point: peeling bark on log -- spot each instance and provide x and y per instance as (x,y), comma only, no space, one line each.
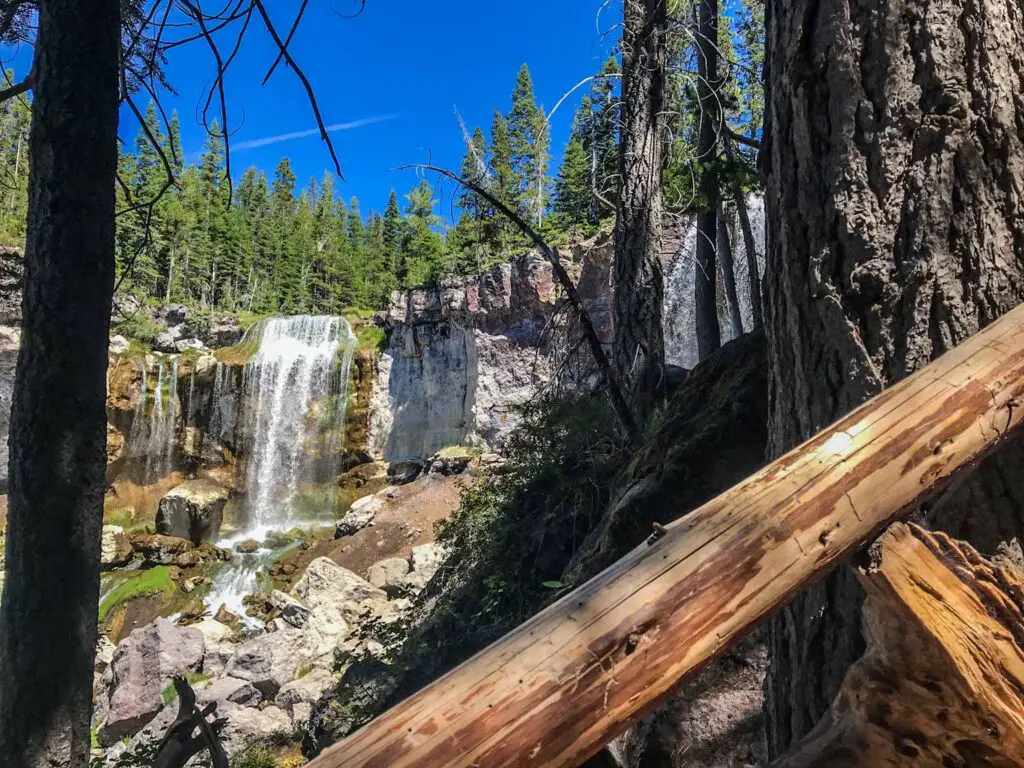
(555,690)
(942,682)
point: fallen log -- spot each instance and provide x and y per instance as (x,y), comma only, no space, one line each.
(563,684)
(942,681)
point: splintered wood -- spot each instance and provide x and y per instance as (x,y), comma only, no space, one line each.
(559,687)
(942,681)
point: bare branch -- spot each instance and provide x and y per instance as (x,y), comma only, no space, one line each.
(305,83)
(287,41)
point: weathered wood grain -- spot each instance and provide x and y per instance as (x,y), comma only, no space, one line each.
(556,689)
(942,681)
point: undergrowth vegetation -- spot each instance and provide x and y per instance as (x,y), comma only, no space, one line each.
(515,531)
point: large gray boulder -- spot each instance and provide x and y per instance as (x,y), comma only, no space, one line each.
(359,515)
(224,333)
(270,660)
(194,510)
(328,589)
(246,725)
(166,340)
(241,692)
(143,665)
(388,574)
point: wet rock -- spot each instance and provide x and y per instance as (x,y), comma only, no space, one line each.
(226,617)
(115,548)
(194,510)
(269,661)
(248,546)
(156,549)
(118,345)
(388,574)
(143,664)
(359,516)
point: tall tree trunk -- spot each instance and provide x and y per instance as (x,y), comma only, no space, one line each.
(709,337)
(749,246)
(58,420)
(729,274)
(894,162)
(639,344)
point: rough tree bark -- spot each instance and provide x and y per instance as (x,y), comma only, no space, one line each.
(58,424)
(709,337)
(638,344)
(749,246)
(728,275)
(894,163)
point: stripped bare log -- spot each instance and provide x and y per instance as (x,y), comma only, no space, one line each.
(563,684)
(942,681)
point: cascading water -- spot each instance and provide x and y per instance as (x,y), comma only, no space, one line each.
(679,319)
(295,391)
(154,426)
(296,381)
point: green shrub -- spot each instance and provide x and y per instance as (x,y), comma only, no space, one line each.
(516,531)
(255,756)
(139,327)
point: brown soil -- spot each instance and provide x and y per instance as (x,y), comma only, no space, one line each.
(126,499)
(403,523)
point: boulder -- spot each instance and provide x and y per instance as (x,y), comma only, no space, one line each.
(327,588)
(205,363)
(359,515)
(305,690)
(156,549)
(173,314)
(187,344)
(142,666)
(213,631)
(246,725)
(118,345)
(426,559)
(115,548)
(194,510)
(248,546)
(268,661)
(388,574)
(224,333)
(292,611)
(231,689)
(166,340)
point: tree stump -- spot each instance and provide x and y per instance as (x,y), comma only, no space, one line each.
(942,681)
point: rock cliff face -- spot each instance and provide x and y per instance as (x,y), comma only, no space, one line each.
(462,357)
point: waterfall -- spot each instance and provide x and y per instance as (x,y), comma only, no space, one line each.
(296,390)
(679,319)
(154,425)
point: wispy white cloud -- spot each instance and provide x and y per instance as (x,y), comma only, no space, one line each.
(266,140)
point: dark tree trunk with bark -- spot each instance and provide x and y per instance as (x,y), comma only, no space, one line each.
(895,166)
(58,423)
(729,275)
(709,337)
(639,346)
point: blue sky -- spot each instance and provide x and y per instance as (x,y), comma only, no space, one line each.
(398,71)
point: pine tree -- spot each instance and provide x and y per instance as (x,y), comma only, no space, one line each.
(423,247)
(572,189)
(467,241)
(504,184)
(528,137)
